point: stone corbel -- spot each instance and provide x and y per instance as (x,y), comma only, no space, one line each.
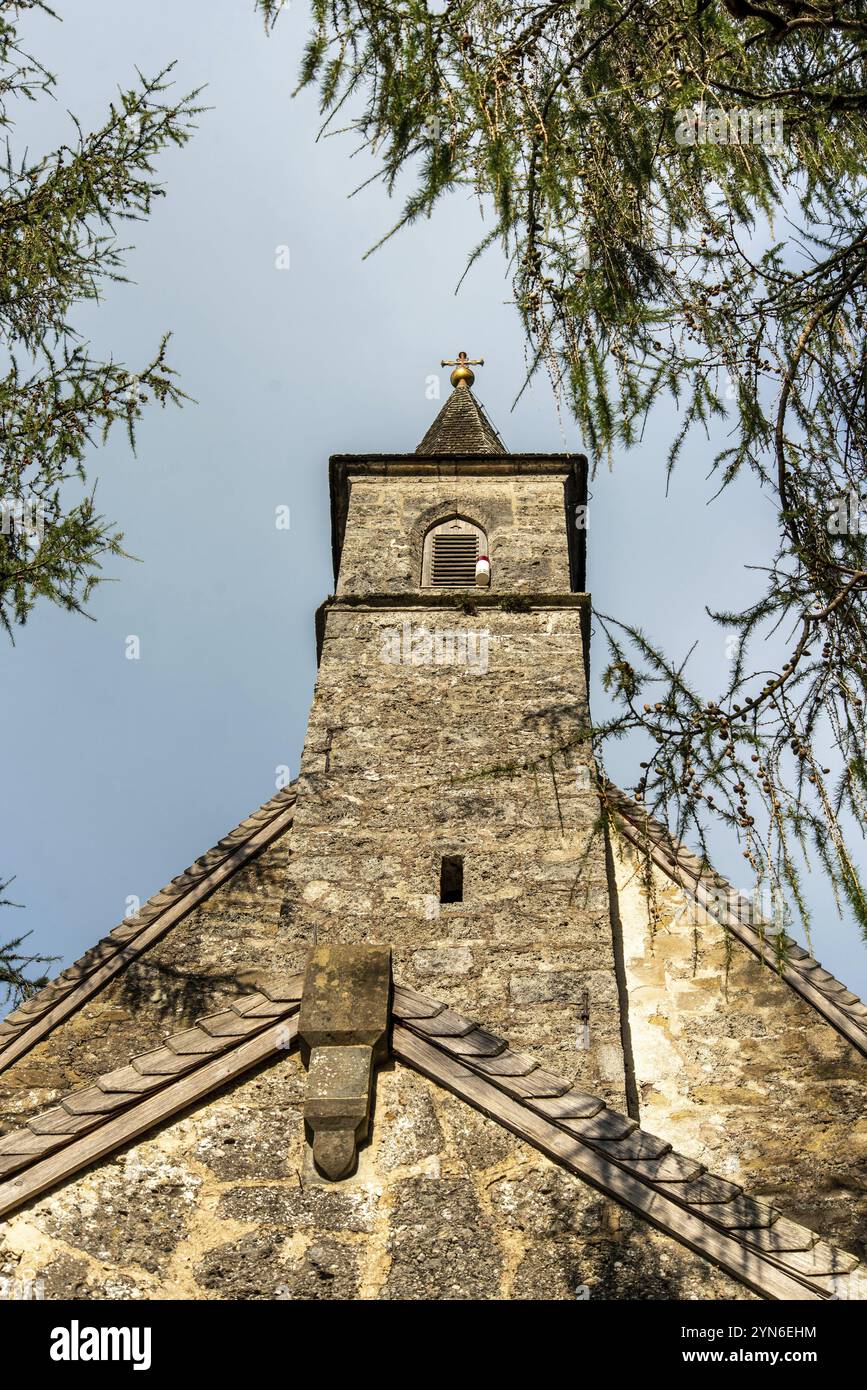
(343,1032)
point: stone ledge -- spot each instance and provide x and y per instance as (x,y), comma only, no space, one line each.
(449,600)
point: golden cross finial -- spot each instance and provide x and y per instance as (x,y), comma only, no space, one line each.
(463,373)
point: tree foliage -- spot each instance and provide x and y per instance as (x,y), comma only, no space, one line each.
(16,979)
(679,189)
(58,249)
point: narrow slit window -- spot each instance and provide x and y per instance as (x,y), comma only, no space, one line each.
(452,879)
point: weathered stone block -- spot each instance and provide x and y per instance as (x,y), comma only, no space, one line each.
(343,1029)
(337,1105)
(447,960)
(346,999)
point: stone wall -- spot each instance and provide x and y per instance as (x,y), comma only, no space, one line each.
(734,1069)
(524,517)
(445,1205)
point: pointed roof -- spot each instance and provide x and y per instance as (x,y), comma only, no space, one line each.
(462,427)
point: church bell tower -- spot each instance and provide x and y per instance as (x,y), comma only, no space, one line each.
(446,804)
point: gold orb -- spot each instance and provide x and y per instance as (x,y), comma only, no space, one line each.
(462,374)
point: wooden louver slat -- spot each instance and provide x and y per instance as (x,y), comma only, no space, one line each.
(454,559)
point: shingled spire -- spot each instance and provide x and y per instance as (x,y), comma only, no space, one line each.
(462,427)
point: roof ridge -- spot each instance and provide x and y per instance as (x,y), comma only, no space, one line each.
(57,1142)
(748,1236)
(24,1026)
(839,1006)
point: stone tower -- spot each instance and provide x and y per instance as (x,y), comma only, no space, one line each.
(448,728)
(449,1017)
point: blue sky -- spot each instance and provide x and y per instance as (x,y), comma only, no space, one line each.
(118,773)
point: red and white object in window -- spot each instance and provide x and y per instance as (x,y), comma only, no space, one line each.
(483,571)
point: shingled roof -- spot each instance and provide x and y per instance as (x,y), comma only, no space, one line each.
(461,427)
(127,1102)
(750,1239)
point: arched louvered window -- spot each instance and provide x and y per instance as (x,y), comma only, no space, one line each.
(451,549)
